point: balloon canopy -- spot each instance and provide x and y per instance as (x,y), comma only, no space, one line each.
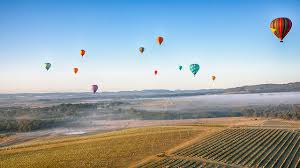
(281,27)
(94,88)
(141,49)
(75,70)
(160,40)
(82,52)
(213,78)
(194,68)
(47,66)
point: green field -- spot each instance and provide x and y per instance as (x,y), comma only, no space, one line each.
(238,147)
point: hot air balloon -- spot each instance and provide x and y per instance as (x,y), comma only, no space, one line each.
(213,78)
(155,72)
(281,27)
(47,66)
(180,67)
(141,49)
(75,70)
(160,40)
(94,88)
(194,68)
(82,52)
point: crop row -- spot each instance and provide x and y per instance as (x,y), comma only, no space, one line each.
(184,163)
(209,144)
(245,147)
(251,147)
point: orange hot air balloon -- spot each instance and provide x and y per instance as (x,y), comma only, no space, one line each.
(160,40)
(82,52)
(213,78)
(155,72)
(75,70)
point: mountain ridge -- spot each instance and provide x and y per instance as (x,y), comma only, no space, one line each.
(149,93)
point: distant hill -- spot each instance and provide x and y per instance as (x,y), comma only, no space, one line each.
(266,88)
(262,88)
(156,93)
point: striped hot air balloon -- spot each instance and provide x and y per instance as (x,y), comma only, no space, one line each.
(281,27)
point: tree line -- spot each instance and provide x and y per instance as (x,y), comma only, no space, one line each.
(283,111)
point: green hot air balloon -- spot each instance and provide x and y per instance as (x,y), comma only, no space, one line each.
(194,68)
(47,66)
(180,67)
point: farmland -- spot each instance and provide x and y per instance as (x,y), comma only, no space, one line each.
(215,142)
(113,149)
(237,147)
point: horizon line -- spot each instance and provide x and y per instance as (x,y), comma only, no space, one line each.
(65,92)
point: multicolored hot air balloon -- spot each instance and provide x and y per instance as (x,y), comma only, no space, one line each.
(155,72)
(75,70)
(82,52)
(281,27)
(94,88)
(141,49)
(194,68)
(160,40)
(180,67)
(213,77)
(47,66)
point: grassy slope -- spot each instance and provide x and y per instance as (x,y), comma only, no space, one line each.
(114,149)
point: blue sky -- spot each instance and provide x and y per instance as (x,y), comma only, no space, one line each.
(228,39)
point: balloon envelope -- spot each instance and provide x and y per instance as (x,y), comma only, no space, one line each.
(94,88)
(82,52)
(213,77)
(160,40)
(194,68)
(180,67)
(75,70)
(47,66)
(141,49)
(281,27)
(155,72)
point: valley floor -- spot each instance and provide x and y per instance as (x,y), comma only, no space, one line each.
(164,144)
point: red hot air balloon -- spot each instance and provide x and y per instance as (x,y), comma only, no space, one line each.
(94,88)
(160,40)
(281,27)
(155,72)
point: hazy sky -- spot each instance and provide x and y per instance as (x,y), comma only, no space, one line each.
(230,39)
